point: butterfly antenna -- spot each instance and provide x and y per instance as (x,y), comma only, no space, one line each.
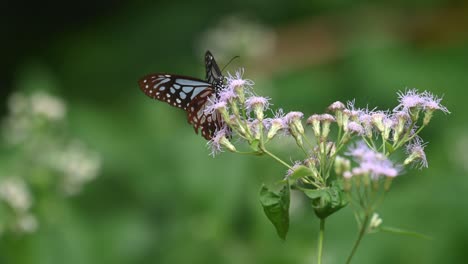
(236,57)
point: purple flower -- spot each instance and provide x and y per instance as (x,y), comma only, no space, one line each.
(365,119)
(355,128)
(227,95)
(235,81)
(432,102)
(347,174)
(415,151)
(219,140)
(257,104)
(336,106)
(255,128)
(354,112)
(215,105)
(327,118)
(378,120)
(293,120)
(409,99)
(371,162)
(292,117)
(425,100)
(275,124)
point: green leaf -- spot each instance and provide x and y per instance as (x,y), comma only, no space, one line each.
(254,145)
(276,208)
(399,231)
(328,200)
(299,172)
(389,147)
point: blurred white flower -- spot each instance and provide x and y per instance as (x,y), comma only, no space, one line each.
(375,221)
(24,111)
(236,35)
(27,223)
(15,193)
(51,107)
(33,128)
(78,165)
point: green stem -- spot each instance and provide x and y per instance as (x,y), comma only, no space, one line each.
(320,241)
(276,158)
(306,139)
(362,232)
(399,231)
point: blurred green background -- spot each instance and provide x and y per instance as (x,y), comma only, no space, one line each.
(159,197)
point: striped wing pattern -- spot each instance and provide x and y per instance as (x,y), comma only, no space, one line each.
(187,93)
(213,73)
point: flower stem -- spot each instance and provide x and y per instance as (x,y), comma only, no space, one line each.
(362,232)
(276,158)
(320,241)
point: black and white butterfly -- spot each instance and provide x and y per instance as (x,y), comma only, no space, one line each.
(189,94)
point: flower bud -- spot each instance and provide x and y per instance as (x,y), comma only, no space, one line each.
(401,118)
(239,90)
(377,120)
(366,123)
(326,121)
(293,119)
(315,121)
(330,149)
(427,116)
(275,125)
(375,221)
(347,175)
(337,108)
(227,144)
(257,104)
(342,165)
(345,119)
(387,123)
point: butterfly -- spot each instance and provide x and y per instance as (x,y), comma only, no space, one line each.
(190,94)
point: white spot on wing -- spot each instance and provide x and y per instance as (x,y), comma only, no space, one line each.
(191,82)
(187,89)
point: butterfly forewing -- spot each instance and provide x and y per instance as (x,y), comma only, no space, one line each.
(213,73)
(178,91)
(187,93)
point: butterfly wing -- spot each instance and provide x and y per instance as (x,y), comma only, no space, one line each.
(187,93)
(213,73)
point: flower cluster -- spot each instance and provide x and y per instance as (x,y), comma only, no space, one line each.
(35,129)
(350,151)
(15,194)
